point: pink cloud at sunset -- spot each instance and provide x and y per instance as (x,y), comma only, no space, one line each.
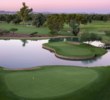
(96,6)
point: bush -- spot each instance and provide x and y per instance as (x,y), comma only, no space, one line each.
(16,21)
(4,31)
(53,32)
(13,30)
(90,37)
(34,33)
(107,33)
(1,32)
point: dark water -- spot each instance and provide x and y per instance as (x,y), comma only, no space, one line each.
(17,54)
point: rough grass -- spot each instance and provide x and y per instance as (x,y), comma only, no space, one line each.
(68,83)
(74,50)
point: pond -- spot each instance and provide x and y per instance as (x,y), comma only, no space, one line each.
(16,54)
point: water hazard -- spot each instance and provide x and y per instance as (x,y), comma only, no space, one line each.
(17,54)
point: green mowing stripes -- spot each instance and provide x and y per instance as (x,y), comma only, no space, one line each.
(49,82)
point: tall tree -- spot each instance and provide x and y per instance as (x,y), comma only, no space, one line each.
(75,27)
(24,12)
(39,20)
(55,23)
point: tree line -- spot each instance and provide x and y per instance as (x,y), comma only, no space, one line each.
(55,22)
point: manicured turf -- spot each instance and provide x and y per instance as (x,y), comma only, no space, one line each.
(96,26)
(24,28)
(56,83)
(75,50)
(49,82)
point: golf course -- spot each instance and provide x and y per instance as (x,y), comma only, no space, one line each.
(74,50)
(55,50)
(97,27)
(55,83)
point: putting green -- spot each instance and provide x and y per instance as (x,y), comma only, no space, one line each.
(73,50)
(49,81)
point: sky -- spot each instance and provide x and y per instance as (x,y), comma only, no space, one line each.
(60,6)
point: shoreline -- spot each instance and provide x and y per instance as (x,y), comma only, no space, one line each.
(30,38)
(65,57)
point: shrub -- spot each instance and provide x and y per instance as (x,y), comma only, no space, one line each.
(4,31)
(107,33)
(13,30)
(1,32)
(90,37)
(34,33)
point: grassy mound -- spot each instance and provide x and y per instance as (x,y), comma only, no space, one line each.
(81,51)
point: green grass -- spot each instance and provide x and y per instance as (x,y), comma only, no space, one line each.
(75,50)
(95,26)
(98,26)
(106,39)
(48,82)
(56,83)
(24,28)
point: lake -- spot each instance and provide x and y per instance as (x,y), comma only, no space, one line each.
(16,54)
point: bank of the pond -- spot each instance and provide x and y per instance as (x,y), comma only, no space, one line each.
(74,51)
(55,83)
(35,37)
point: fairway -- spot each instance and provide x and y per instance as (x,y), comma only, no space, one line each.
(49,82)
(25,28)
(96,26)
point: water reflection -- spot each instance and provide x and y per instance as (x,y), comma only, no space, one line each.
(56,40)
(16,54)
(89,61)
(24,41)
(75,39)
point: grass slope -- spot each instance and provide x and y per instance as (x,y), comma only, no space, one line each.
(75,50)
(56,83)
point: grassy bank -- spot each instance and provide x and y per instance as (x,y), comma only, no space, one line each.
(74,51)
(56,83)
